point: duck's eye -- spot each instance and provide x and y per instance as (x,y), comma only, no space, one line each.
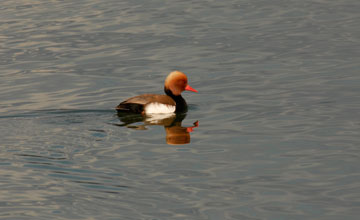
(182,83)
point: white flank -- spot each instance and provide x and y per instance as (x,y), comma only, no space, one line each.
(155,107)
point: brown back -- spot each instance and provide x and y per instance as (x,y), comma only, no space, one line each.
(147,98)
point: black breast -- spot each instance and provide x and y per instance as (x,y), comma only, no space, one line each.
(181,105)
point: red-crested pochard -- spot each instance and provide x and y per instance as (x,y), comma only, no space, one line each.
(172,102)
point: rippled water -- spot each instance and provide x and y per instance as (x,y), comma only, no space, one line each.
(277,110)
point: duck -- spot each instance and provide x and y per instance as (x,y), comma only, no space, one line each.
(172,102)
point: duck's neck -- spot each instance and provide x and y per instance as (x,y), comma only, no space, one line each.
(181,105)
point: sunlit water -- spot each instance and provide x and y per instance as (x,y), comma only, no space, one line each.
(277,110)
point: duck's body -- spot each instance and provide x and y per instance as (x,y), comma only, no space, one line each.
(148,103)
(172,102)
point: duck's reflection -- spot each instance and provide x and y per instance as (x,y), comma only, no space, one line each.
(175,133)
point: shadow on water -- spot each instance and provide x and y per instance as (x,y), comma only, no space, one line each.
(175,132)
(37,113)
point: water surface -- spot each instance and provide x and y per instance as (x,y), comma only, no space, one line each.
(277,110)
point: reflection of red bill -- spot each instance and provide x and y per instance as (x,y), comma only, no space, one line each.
(190,129)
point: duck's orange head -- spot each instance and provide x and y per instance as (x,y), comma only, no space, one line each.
(176,82)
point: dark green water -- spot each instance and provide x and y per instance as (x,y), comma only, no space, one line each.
(278,110)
